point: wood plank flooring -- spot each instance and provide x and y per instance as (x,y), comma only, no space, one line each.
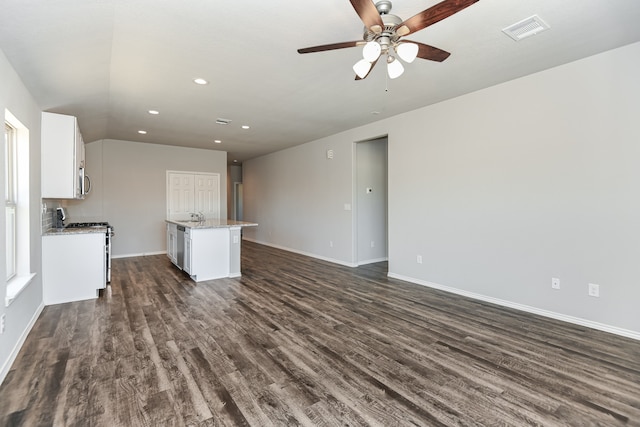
(298,341)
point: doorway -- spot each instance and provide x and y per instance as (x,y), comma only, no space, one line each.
(371,201)
(237,201)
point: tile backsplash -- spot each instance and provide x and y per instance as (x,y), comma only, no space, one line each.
(47,218)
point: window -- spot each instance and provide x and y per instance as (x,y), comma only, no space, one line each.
(10,180)
(16,190)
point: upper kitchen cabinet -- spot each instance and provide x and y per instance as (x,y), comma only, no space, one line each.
(63,168)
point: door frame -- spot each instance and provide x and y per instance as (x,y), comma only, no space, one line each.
(354,197)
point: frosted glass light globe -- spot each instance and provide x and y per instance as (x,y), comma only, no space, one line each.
(371,51)
(407,51)
(362,68)
(394,68)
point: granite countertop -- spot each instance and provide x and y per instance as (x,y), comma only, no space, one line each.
(213,223)
(78,230)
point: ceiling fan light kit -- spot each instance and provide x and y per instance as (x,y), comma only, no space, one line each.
(383,32)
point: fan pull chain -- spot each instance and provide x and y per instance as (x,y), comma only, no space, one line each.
(386,82)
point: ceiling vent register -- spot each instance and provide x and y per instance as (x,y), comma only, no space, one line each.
(220,121)
(526,28)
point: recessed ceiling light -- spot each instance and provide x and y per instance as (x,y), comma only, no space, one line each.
(245,126)
(217,141)
(235,161)
(142,132)
(154,112)
(375,113)
(200,81)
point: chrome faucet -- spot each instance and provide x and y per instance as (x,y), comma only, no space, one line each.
(199,216)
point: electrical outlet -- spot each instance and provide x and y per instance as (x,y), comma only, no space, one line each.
(555,283)
(373,244)
(330,243)
(3,319)
(594,290)
(419,259)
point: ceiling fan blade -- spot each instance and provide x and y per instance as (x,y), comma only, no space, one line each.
(369,15)
(429,52)
(432,15)
(373,64)
(332,46)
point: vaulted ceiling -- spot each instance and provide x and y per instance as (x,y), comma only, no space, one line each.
(109,62)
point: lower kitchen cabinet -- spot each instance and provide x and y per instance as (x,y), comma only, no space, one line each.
(207,253)
(73,267)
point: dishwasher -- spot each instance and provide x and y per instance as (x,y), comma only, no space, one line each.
(180,247)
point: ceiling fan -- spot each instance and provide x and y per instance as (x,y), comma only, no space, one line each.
(384,32)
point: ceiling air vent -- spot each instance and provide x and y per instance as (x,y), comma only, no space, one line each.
(220,121)
(526,28)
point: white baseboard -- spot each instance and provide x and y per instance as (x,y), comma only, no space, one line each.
(18,346)
(140,254)
(284,248)
(372,261)
(558,316)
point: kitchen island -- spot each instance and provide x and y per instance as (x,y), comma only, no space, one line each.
(208,249)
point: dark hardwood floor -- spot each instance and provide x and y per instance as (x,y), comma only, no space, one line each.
(298,341)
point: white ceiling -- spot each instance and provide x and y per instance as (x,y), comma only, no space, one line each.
(109,61)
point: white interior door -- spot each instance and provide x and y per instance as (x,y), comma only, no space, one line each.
(207,195)
(180,195)
(192,192)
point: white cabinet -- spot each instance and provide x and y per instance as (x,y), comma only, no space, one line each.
(172,243)
(63,161)
(206,250)
(208,253)
(73,267)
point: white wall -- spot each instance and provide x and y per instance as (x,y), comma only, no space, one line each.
(299,197)
(129,190)
(25,308)
(498,190)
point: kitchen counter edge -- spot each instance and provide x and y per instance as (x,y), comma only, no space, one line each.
(213,223)
(80,230)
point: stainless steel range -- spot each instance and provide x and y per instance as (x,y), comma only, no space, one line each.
(110,232)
